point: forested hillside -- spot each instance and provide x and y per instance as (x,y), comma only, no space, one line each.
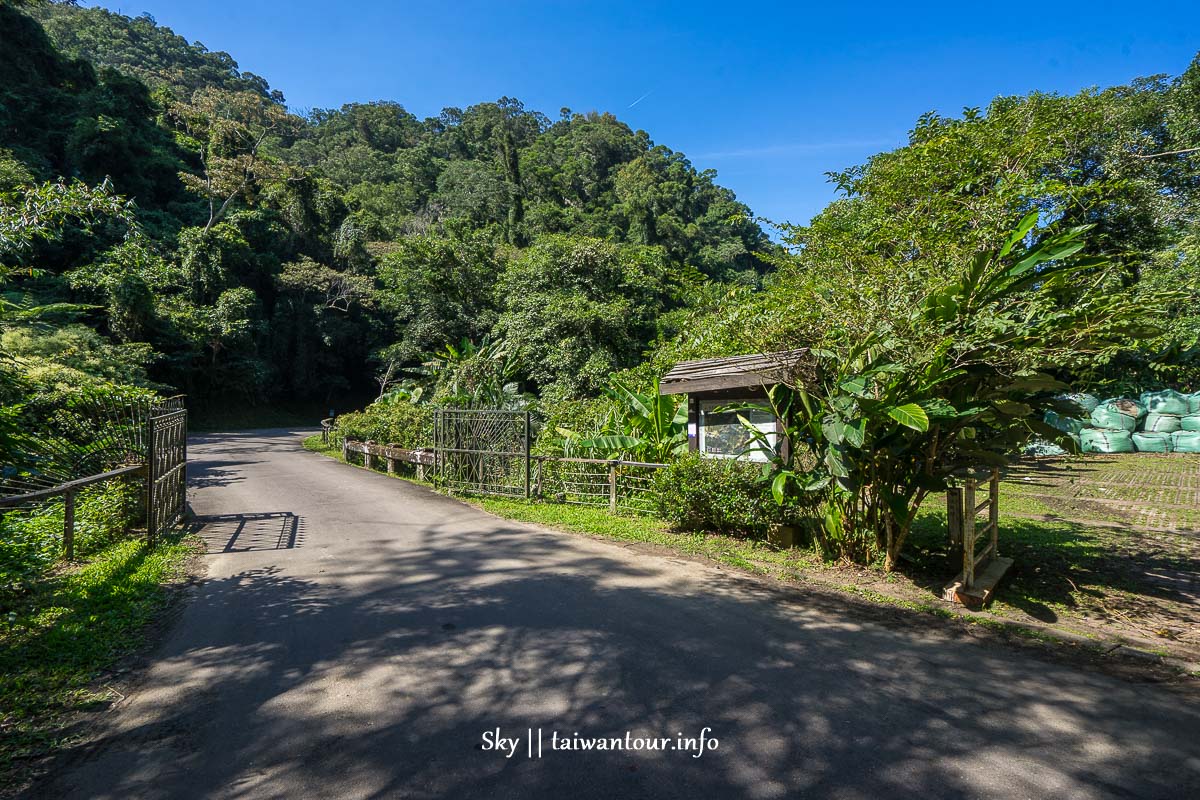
(268,257)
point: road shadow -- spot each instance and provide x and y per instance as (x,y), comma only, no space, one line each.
(238,533)
(379,680)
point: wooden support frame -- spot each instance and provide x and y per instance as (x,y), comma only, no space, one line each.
(981,569)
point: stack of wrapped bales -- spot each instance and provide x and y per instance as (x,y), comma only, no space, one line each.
(1157,422)
(1113,423)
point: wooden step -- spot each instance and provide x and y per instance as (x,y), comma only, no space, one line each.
(985,584)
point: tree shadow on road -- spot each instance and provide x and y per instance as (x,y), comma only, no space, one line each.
(379,679)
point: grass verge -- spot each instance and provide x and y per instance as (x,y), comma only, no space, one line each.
(76,624)
(315,444)
(746,554)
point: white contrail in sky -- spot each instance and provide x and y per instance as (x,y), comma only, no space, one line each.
(640,99)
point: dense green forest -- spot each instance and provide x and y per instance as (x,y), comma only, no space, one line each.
(189,233)
(265,257)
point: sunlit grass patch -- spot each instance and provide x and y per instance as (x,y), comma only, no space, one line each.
(59,638)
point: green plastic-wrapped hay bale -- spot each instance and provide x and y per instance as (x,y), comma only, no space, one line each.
(1167,401)
(1190,423)
(1149,442)
(1113,415)
(1185,441)
(1064,424)
(1127,405)
(1101,440)
(1086,402)
(1161,423)
(1194,403)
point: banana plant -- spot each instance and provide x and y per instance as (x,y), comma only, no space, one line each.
(476,376)
(645,425)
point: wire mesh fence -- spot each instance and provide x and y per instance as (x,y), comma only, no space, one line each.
(166,465)
(483,451)
(613,484)
(76,445)
(487,452)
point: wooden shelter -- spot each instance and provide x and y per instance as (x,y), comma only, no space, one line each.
(714,384)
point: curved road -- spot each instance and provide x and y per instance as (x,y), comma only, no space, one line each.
(356,637)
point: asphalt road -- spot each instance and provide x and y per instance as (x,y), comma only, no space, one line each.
(357,636)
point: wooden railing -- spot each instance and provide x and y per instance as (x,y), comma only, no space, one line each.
(391,454)
(613,483)
(67,491)
(161,448)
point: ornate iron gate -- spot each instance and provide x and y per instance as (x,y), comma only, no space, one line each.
(166,466)
(482,450)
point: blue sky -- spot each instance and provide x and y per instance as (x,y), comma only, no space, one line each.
(772,96)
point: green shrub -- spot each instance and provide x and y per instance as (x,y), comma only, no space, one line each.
(397,422)
(565,413)
(717,495)
(32,540)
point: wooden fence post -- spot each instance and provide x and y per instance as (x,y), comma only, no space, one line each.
(151,501)
(954,515)
(994,511)
(69,526)
(612,486)
(528,480)
(969,533)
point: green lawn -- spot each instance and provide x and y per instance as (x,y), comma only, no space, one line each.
(742,553)
(76,623)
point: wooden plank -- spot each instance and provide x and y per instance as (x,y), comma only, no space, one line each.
(612,488)
(716,374)
(647,465)
(968,545)
(421,456)
(981,555)
(984,587)
(716,383)
(69,525)
(62,488)
(994,512)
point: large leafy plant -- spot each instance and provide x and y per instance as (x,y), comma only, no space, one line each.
(475,376)
(958,380)
(644,425)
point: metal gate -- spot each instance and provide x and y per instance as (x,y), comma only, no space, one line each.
(482,450)
(166,467)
